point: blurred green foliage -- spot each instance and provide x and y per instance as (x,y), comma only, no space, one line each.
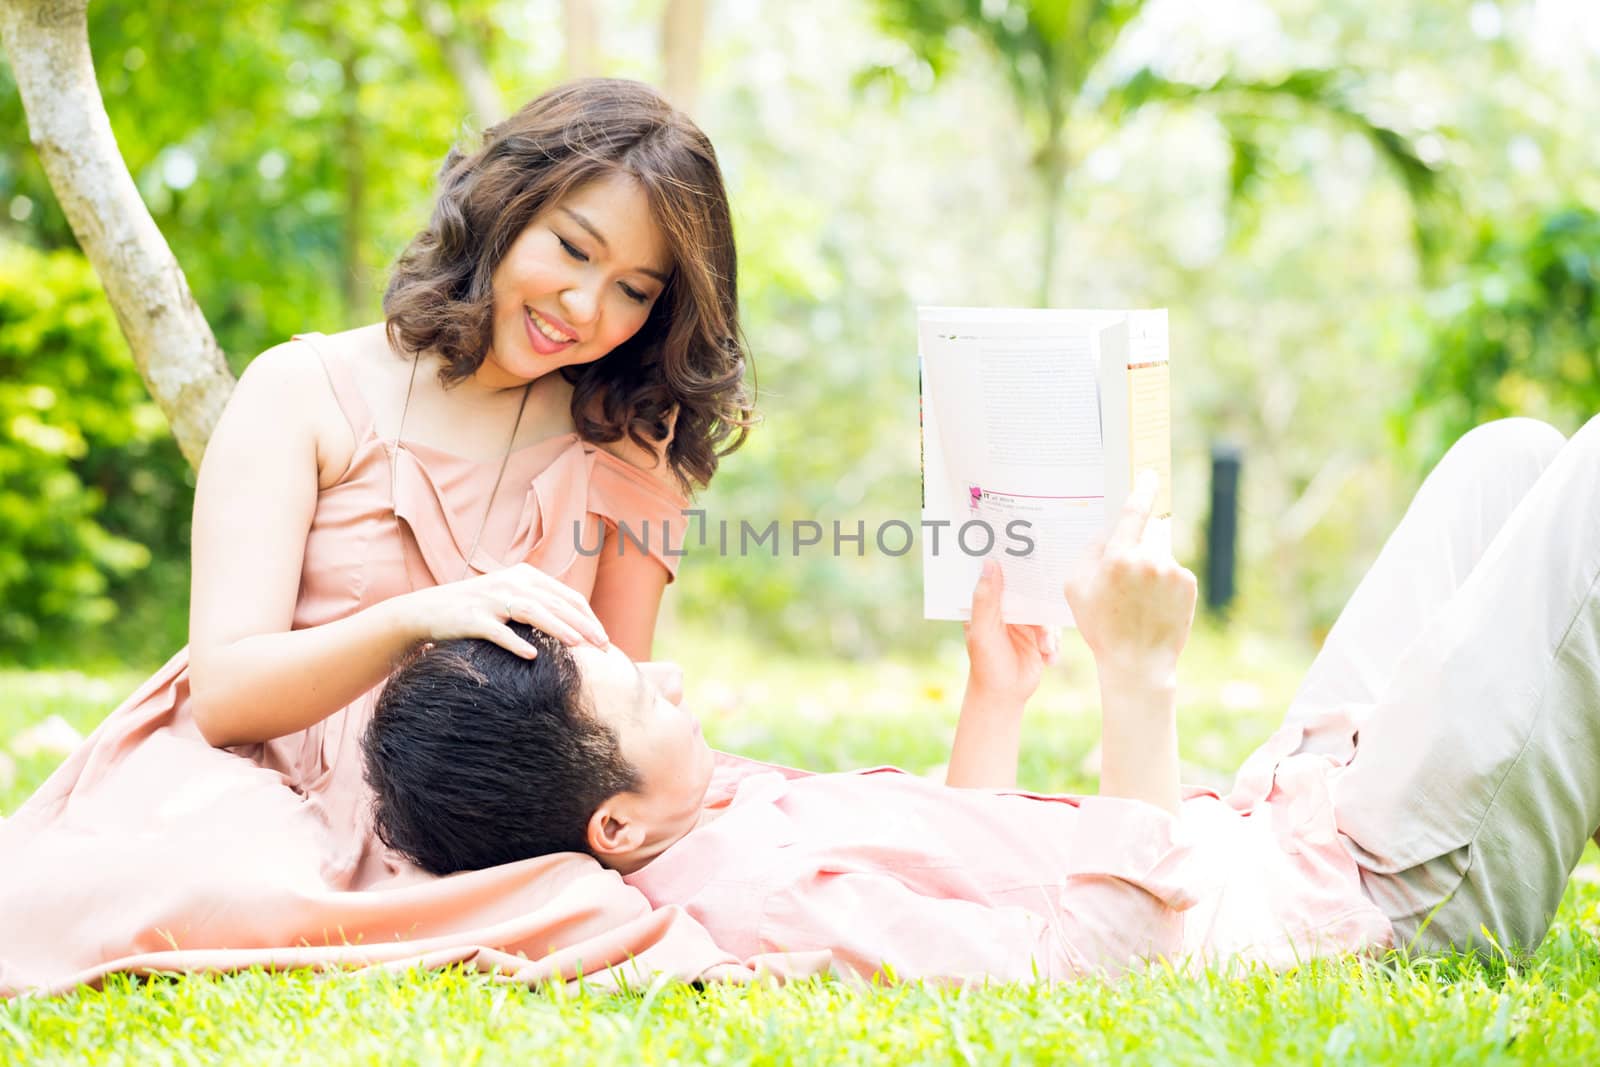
(94,496)
(1054,57)
(876,162)
(1519,333)
(287,151)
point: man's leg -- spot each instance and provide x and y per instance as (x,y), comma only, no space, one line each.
(1476,780)
(1459,508)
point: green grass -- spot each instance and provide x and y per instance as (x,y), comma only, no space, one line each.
(825,715)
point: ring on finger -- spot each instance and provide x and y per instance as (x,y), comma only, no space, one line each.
(511,611)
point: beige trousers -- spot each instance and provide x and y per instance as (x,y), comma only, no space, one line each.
(1469,657)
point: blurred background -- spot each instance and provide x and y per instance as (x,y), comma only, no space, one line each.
(1374,222)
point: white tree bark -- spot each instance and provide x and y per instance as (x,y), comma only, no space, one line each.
(47,42)
(683,27)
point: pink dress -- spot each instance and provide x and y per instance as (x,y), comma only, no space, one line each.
(148,850)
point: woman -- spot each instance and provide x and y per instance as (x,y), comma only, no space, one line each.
(560,360)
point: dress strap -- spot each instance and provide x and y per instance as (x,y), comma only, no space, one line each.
(345,391)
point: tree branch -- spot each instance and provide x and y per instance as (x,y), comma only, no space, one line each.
(682,32)
(465,61)
(182,365)
(583,38)
(353,279)
(1332,94)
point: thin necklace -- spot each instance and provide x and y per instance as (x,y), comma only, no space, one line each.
(394,462)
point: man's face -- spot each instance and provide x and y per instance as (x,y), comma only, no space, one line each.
(661,739)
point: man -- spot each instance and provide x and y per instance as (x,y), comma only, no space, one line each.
(1468,663)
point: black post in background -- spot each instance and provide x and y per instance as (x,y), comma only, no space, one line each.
(1222,529)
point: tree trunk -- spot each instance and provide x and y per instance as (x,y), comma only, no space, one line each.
(1052,177)
(683,27)
(466,62)
(353,276)
(1052,164)
(173,346)
(583,38)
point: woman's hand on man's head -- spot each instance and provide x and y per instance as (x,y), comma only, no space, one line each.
(485,606)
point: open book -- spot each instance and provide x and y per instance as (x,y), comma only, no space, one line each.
(1034,424)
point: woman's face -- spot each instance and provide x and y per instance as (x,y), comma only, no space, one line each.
(579,281)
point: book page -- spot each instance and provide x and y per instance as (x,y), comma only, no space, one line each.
(1150,427)
(1013,457)
(1016,464)
(1137,412)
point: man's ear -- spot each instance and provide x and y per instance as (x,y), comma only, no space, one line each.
(613,830)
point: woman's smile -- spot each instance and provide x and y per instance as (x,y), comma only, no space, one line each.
(547,334)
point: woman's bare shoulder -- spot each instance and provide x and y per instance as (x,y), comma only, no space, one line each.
(290,385)
(364,348)
(281,373)
(376,370)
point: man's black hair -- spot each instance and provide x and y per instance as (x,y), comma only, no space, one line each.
(479,757)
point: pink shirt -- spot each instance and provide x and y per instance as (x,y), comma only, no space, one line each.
(891,872)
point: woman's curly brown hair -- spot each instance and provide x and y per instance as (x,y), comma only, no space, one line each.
(682,374)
